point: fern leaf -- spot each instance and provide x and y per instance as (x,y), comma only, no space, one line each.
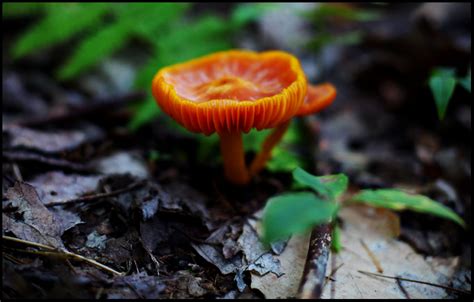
(62,22)
(95,48)
(10,10)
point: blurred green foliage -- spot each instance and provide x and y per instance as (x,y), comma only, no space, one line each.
(442,83)
(172,33)
(284,156)
(102,29)
(328,13)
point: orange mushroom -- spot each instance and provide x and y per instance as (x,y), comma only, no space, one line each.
(231,92)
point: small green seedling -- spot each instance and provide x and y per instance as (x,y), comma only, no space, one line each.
(298,212)
(442,83)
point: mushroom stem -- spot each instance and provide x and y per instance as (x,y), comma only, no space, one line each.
(266,152)
(232,150)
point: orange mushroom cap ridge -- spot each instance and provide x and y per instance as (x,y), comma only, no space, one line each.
(265,99)
(317,98)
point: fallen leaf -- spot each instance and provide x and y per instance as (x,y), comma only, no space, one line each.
(50,142)
(37,223)
(136,286)
(292,261)
(287,267)
(376,228)
(122,163)
(55,186)
(213,252)
(67,219)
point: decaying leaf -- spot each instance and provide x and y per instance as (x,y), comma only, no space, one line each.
(135,286)
(55,186)
(121,163)
(292,261)
(286,268)
(50,142)
(37,223)
(213,253)
(376,228)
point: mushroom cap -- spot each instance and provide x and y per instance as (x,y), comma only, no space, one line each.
(232,91)
(317,98)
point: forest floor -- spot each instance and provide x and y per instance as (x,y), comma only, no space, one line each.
(92,209)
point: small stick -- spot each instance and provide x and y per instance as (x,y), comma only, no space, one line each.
(97,196)
(315,267)
(63,253)
(314,274)
(55,162)
(46,247)
(404,291)
(461,291)
(17,172)
(374,259)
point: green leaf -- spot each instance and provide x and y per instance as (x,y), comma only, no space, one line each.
(95,48)
(150,18)
(442,83)
(336,244)
(62,22)
(294,213)
(466,81)
(323,12)
(21,9)
(398,200)
(329,186)
(284,160)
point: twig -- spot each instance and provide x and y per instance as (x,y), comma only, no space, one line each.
(314,274)
(97,196)
(11,258)
(46,247)
(63,253)
(17,172)
(404,291)
(56,162)
(374,259)
(315,267)
(461,291)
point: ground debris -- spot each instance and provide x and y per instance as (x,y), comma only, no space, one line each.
(35,222)
(213,251)
(55,186)
(49,142)
(122,163)
(376,228)
(136,286)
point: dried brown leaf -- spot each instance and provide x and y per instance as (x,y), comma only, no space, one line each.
(37,223)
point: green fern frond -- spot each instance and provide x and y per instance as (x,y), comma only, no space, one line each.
(62,22)
(95,48)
